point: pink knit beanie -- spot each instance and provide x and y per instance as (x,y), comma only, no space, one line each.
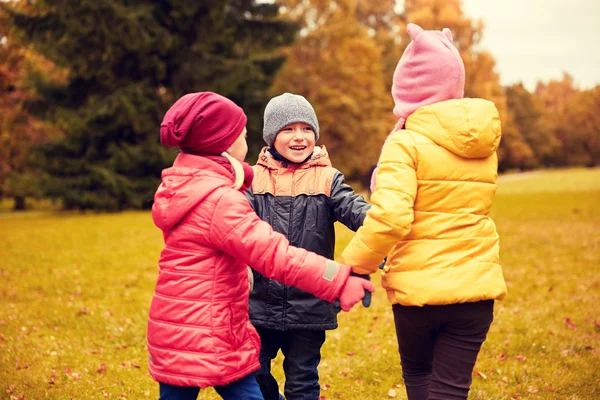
(429,71)
(202,123)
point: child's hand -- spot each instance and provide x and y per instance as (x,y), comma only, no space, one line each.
(354,291)
(366,301)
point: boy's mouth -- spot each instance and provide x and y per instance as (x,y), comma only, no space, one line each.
(298,148)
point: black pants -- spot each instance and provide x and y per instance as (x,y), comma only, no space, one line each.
(302,353)
(439,346)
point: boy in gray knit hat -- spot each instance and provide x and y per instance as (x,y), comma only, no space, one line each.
(287,109)
(301,195)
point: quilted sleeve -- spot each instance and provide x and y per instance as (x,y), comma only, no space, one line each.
(349,207)
(237,230)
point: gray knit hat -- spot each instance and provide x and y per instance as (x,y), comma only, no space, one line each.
(287,109)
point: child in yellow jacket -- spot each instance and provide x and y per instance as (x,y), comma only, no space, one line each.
(434,187)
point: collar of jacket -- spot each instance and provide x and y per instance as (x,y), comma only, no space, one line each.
(320,158)
(186,161)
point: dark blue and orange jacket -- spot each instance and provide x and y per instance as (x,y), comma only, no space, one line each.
(301,201)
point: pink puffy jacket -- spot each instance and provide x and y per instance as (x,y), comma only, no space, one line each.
(199,333)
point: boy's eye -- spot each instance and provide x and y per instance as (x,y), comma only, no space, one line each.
(308,128)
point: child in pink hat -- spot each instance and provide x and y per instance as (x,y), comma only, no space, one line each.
(199,333)
(434,187)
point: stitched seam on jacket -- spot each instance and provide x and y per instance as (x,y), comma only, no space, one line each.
(168,246)
(179,272)
(242,373)
(191,299)
(455,180)
(190,351)
(188,325)
(448,212)
(451,239)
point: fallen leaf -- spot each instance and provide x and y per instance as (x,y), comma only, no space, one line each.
(392,393)
(350,353)
(532,389)
(102,368)
(549,388)
(521,357)
(501,357)
(570,323)
(52,379)
(345,372)
(481,374)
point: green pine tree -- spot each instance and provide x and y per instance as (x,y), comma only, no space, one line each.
(128,62)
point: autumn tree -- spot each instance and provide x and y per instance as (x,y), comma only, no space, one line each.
(528,112)
(127,62)
(571,115)
(583,118)
(555,97)
(336,65)
(19,130)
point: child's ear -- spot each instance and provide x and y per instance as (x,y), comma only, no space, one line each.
(448,34)
(414,30)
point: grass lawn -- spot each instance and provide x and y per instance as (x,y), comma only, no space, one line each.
(75,290)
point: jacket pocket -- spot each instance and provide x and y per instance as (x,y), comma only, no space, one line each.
(316,215)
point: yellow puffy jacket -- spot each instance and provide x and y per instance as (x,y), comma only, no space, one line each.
(435,184)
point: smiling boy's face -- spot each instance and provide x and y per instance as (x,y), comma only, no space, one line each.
(295,142)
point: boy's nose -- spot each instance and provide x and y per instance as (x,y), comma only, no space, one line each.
(298,134)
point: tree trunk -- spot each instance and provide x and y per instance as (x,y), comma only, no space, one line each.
(19,203)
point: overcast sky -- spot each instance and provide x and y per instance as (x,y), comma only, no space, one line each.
(535,40)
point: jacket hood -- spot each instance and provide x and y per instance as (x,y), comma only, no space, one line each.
(319,158)
(469,128)
(189,181)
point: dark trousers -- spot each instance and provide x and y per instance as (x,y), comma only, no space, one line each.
(243,389)
(439,346)
(302,353)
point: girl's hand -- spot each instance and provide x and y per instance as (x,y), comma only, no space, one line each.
(354,291)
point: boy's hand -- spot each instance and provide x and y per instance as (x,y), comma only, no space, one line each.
(354,291)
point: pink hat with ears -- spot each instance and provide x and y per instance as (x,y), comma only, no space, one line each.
(429,71)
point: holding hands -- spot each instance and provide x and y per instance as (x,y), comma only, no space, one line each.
(356,288)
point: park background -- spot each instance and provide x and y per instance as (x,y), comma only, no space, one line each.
(83,87)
